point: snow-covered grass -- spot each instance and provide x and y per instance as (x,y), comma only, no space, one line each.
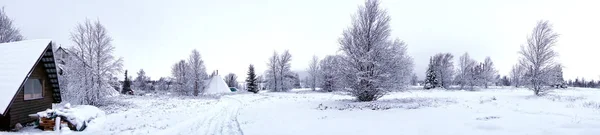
(498,111)
(488,111)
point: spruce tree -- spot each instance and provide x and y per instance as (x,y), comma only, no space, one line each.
(431,80)
(251,80)
(126,85)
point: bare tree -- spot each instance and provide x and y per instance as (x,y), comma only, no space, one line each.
(489,72)
(313,71)
(272,71)
(330,73)
(141,81)
(286,77)
(180,75)
(464,74)
(373,63)
(516,75)
(8,32)
(414,80)
(537,57)
(162,84)
(92,63)
(444,68)
(556,77)
(231,80)
(197,72)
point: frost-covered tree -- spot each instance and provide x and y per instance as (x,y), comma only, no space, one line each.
(252,80)
(505,81)
(297,81)
(180,71)
(443,67)
(313,72)
(8,32)
(330,74)
(286,77)
(537,57)
(373,63)
(464,76)
(414,80)
(126,89)
(279,75)
(516,74)
(498,81)
(141,81)
(556,77)
(91,65)
(162,84)
(197,72)
(231,80)
(489,72)
(272,72)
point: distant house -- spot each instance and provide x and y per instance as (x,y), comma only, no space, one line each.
(61,56)
(28,81)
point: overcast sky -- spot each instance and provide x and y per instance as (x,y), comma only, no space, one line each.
(231,34)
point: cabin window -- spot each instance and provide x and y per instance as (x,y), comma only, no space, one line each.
(33,89)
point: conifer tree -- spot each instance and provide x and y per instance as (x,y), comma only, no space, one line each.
(126,85)
(251,80)
(431,80)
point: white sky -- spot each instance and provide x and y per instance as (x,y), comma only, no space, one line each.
(230,34)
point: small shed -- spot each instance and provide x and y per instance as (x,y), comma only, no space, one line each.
(28,81)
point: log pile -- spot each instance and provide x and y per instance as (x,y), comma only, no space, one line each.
(48,124)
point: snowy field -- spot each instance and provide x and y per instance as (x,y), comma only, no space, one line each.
(575,111)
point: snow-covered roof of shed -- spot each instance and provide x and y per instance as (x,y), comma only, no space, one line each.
(16,61)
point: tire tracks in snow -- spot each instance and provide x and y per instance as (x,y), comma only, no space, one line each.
(221,120)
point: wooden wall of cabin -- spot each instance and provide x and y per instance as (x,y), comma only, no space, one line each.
(20,108)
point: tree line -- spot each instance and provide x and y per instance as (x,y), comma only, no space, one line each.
(370,64)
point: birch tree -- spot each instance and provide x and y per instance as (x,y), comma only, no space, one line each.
(197,72)
(272,72)
(516,75)
(286,77)
(373,63)
(443,68)
(180,71)
(141,81)
(8,32)
(330,73)
(92,63)
(313,72)
(464,74)
(489,72)
(537,57)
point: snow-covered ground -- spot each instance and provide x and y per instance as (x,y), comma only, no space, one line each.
(575,111)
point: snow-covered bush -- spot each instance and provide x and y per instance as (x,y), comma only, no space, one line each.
(405,103)
(592,104)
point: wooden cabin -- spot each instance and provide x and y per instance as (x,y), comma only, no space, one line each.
(28,81)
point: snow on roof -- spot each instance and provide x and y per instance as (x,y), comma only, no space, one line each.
(16,60)
(216,85)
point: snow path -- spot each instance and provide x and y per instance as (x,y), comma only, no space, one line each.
(221,120)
